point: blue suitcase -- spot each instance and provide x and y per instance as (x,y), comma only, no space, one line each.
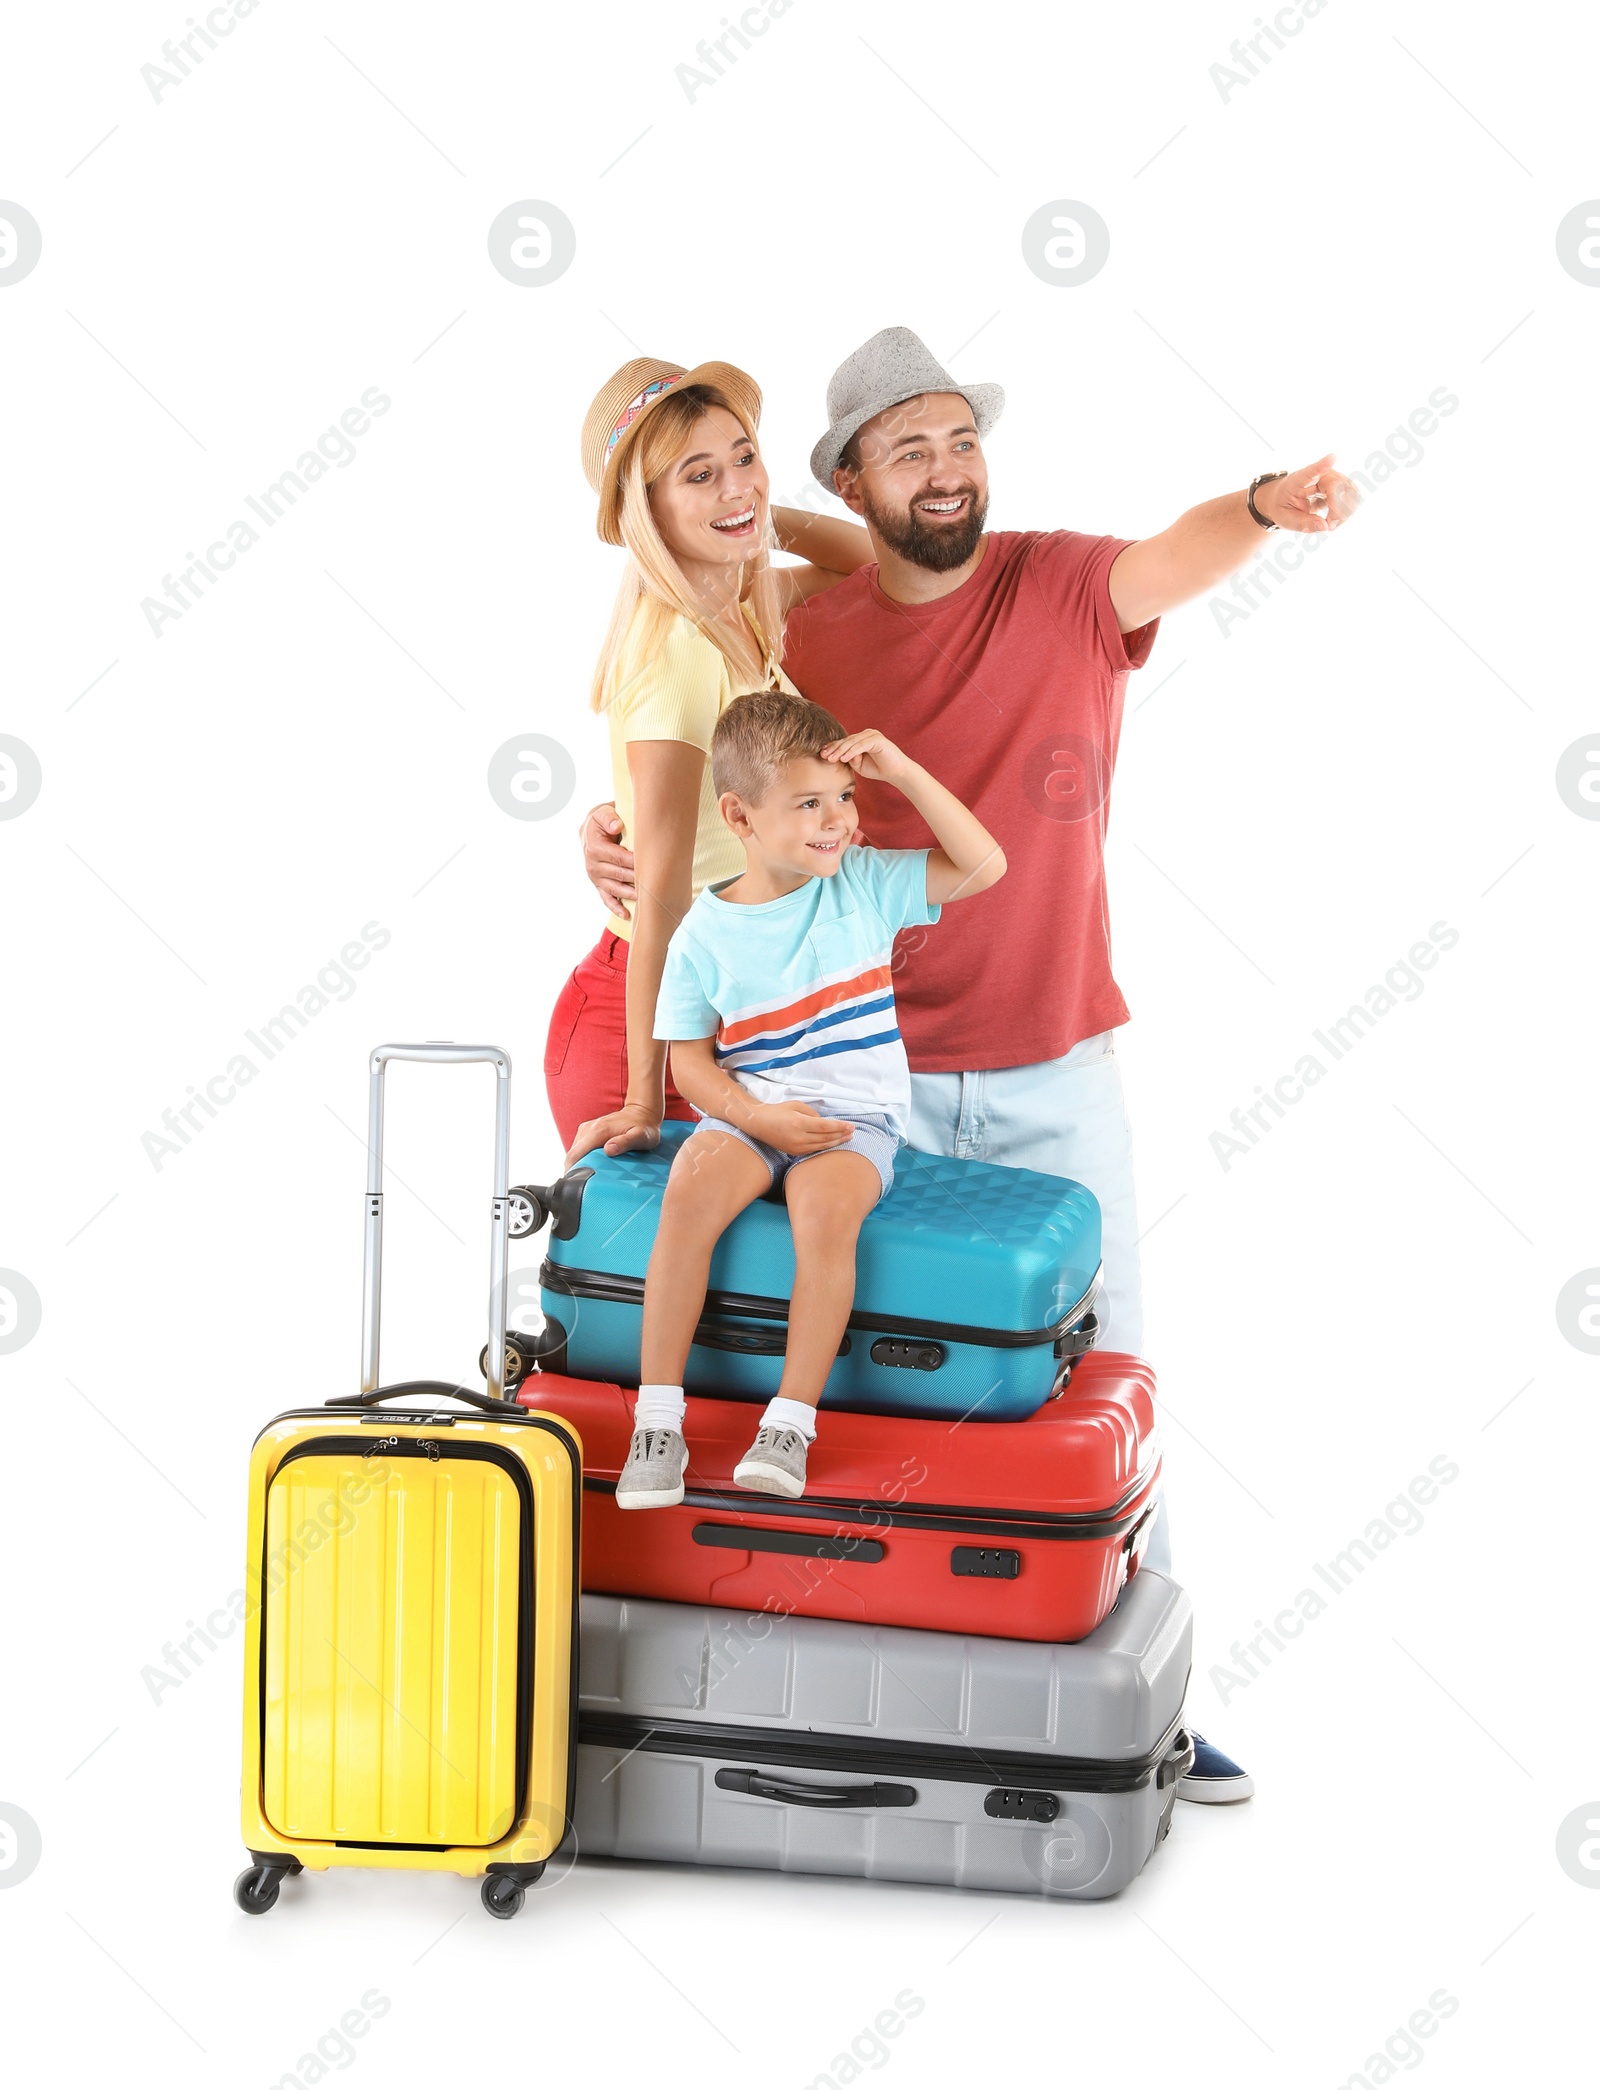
(974,1286)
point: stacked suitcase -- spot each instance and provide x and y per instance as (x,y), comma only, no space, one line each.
(944,1662)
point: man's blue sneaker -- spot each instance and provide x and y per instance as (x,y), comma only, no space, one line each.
(1213,1778)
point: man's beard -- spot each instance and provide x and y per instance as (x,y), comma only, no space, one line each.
(935,547)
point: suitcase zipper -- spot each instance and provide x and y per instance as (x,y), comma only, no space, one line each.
(873,1755)
(555,1427)
(629,1291)
(435,1419)
(424,1448)
(1115,1521)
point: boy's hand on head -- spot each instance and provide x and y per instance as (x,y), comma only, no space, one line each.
(795,1128)
(870,754)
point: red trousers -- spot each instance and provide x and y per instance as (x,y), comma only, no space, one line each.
(586,1053)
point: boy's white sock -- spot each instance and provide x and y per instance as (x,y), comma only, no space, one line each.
(780,1414)
(659,1408)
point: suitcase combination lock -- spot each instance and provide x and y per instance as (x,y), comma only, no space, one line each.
(1009,1803)
(909,1356)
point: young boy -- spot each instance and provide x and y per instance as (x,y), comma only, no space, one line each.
(778,1002)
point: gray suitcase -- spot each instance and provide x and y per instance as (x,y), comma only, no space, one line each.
(818,1745)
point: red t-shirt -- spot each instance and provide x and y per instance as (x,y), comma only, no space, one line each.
(1010,691)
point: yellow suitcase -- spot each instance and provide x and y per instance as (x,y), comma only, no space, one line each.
(411,1645)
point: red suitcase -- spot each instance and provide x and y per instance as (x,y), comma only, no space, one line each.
(1020,1530)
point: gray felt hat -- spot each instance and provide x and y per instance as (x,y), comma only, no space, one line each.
(893,366)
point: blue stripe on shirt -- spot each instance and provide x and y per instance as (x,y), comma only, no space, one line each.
(843,1014)
(818,1052)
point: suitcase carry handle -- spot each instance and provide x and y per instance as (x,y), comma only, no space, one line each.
(1178,1761)
(1139,1536)
(434,1389)
(1078,1340)
(764,1788)
(439,1052)
(710,1334)
(750,1538)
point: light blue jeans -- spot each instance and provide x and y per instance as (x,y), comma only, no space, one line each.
(1064,1117)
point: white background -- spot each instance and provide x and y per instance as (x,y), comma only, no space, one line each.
(1373,1286)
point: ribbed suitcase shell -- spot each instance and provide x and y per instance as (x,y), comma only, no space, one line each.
(390,1705)
(991,1254)
(1039,1770)
(895,1508)
(410,1645)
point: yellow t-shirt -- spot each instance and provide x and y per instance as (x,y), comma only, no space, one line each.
(679,694)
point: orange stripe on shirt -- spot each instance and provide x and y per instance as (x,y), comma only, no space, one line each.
(869,982)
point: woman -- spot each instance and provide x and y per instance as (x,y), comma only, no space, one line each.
(672,455)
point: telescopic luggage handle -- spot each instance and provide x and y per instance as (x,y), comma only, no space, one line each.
(439,1052)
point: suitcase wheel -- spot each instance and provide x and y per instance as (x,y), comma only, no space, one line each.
(256,1888)
(525,1212)
(517,1366)
(502,1896)
(546,1349)
(505,1889)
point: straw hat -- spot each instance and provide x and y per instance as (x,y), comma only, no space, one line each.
(623,401)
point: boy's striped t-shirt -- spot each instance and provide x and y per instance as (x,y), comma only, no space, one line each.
(799,992)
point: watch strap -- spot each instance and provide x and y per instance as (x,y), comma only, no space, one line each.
(1261,479)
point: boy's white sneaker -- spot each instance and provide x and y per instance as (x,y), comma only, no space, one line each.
(775,1464)
(653,1476)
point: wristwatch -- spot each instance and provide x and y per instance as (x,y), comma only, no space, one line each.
(1261,479)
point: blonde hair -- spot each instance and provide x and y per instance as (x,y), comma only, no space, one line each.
(653,577)
(758,734)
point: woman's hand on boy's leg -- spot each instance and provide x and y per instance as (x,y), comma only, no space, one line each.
(795,1128)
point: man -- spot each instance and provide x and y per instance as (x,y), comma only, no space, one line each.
(1000,659)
